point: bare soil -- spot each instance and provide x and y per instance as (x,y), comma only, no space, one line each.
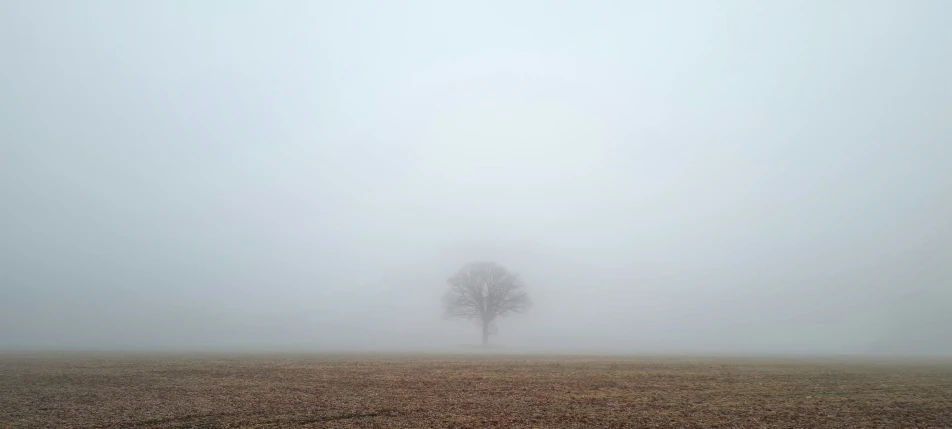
(335,391)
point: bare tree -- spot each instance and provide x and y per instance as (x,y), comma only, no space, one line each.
(483,291)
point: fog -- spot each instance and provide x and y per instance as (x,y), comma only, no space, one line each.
(697,177)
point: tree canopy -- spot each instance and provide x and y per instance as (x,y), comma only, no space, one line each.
(483,291)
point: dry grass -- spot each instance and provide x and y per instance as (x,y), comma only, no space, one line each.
(445,391)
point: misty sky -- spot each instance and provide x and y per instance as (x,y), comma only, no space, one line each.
(737,176)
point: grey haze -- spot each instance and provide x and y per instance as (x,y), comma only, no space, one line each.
(702,177)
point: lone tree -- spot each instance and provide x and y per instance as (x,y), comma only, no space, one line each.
(483,291)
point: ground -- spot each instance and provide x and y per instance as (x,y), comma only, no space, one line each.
(139,391)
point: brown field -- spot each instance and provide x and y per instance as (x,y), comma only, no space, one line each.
(476,391)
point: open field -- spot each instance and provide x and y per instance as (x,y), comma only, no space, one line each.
(459,391)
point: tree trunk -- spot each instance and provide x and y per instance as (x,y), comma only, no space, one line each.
(485,333)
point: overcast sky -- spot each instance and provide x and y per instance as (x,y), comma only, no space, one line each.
(736,176)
